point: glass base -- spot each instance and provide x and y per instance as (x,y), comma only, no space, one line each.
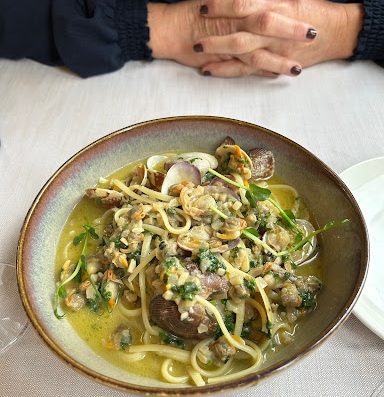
(13,320)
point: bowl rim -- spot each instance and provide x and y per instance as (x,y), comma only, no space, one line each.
(248,380)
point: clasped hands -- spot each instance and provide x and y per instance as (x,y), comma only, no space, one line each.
(230,38)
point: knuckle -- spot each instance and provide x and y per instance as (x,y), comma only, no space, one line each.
(239,7)
(266,20)
(257,59)
(240,43)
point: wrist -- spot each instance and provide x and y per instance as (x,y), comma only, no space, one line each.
(349,26)
(157,30)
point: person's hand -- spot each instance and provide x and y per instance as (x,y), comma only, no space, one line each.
(263,37)
(175,28)
(271,38)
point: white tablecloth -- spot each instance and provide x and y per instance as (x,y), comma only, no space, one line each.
(336,110)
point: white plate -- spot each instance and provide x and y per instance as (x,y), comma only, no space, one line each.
(366,181)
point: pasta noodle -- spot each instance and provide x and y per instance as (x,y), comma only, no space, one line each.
(202,276)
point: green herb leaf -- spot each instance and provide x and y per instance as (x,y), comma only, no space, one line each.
(91,231)
(308,299)
(250,284)
(259,193)
(290,214)
(79,238)
(253,231)
(209,262)
(170,339)
(186,291)
(62,292)
(251,199)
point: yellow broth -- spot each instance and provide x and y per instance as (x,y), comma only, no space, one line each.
(94,328)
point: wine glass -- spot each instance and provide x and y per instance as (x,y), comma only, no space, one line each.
(13,320)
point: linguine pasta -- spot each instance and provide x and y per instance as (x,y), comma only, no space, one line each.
(198,256)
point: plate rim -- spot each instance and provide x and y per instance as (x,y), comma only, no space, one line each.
(359,310)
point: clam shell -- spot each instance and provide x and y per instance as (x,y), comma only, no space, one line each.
(179,172)
(263,163)
(228,141)
(154,160)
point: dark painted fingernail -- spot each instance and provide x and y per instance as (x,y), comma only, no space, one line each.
(276,74)
(206,73)
(311,34)
(296,70)
(204,10)
(198,47)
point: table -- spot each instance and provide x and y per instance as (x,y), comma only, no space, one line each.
(47,114)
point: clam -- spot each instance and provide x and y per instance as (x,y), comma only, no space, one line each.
(142,173)
(195,238)
(234,159)
(309,248)
(228,141)
(107,197)
(166,315)
(217,189)
(200,160)
(230,244)
(263,163)
(156,179)
(181,172)
(155,160)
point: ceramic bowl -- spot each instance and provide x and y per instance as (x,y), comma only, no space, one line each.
(345,249)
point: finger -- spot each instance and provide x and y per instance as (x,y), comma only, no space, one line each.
(266,60)
(235,44)
(233,68)
(231,8)
(276,25)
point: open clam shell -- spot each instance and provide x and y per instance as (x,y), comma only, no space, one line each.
(263,163)
(180,172)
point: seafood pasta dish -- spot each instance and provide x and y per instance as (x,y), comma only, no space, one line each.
(190,267)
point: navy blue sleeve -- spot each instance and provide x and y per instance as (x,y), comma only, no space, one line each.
(88,36)
(371,38)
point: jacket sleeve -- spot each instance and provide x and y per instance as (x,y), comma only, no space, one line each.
(371,38)
(88,36)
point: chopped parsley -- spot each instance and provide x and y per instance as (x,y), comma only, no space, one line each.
(250,284)
(209,262)
(186,291)
(126,339)
(170,339)
(308,299)
(171,211)
(171,261)
(229,323)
